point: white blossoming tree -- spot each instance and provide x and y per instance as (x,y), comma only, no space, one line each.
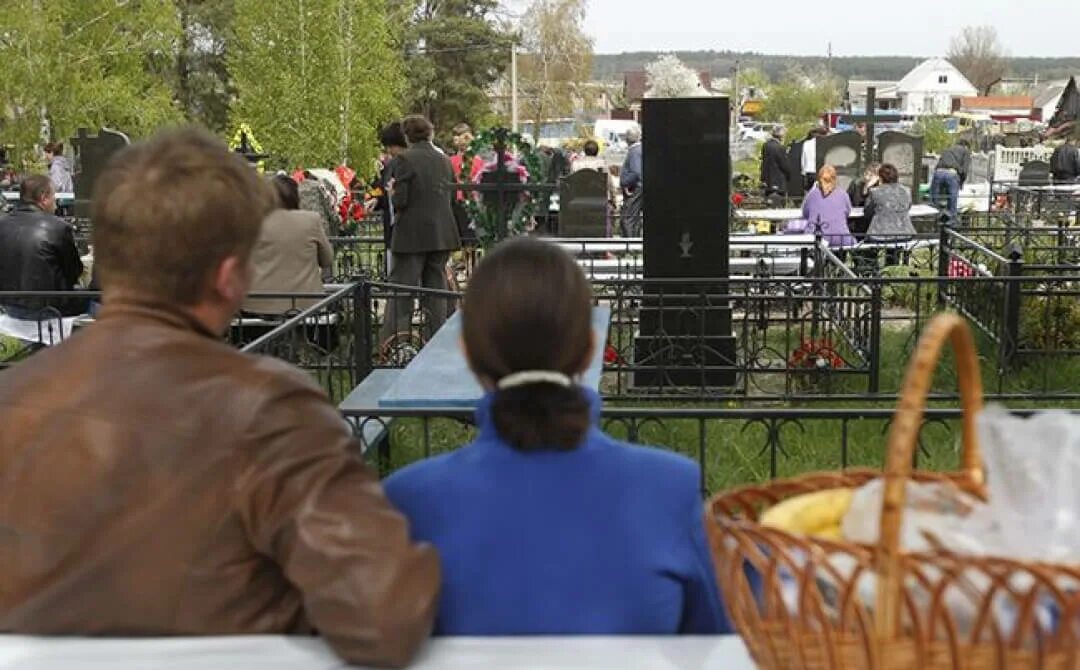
(669,77)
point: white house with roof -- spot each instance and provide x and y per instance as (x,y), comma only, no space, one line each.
(932,87)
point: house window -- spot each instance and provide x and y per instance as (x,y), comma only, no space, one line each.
(943,79)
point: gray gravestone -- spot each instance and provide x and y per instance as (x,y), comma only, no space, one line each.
(1035,173)
(92,153)
(583,203)
(843,151)
(980,169)
(905,152)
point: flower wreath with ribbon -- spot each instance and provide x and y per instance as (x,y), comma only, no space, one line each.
(486,218)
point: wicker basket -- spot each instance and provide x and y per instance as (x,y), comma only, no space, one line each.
(807,603)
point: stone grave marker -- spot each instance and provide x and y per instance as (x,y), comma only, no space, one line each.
(905,152)
(583,204)
(843,151)
(686,327)
(91,155)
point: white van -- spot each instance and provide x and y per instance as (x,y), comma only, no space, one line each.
(611,132)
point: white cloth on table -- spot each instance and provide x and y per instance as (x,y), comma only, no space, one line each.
(449,653)
(49,331)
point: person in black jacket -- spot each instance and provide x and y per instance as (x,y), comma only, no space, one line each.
(775,170)
(425,232)
(38,252)
(1065,163)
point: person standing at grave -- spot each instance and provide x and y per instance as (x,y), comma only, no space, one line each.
(827,208)
(590,160)
(949,177)
(424,232)
(38,252)
(394,144)
(632,183)
(541,536)
(59,168)
(1065,163)
(158,482)
(775,169)
(809,157)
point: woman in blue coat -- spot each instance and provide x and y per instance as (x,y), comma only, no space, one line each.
(545,524)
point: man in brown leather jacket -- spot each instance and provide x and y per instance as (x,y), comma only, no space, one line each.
(155,481)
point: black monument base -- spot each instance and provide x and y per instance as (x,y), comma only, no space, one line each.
(684,361)
(684,342)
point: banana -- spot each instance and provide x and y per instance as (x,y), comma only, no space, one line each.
(818,513)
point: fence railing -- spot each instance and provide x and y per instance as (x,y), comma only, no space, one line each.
(840,336)
(322,339)
(803,339)
(733,446)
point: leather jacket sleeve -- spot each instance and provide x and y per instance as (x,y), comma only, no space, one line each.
(309,503)
(70,262)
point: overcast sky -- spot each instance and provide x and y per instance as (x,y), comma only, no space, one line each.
(908,27)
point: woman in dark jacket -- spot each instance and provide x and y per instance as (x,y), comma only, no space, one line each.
(545,524)
(888,208)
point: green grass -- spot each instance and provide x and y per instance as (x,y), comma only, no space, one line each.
(737,452)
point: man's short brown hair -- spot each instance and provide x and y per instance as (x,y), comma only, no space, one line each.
(34,188)
(168,211)
(417,128)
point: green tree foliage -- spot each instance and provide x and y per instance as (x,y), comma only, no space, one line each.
(89,63)
(315,78)
(556,59)
(936,137)
(799,101)
(203,85)
(454,52)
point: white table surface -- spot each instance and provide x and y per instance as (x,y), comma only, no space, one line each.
(13,196)
(792,213)
(302,653)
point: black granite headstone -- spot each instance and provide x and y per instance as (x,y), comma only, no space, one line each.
(685,327)
(91,155)
(1034,173)
(583,204)
(905,152)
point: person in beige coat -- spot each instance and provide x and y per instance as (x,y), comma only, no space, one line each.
(292,255)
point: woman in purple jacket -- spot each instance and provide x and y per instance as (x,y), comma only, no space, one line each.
(827,208)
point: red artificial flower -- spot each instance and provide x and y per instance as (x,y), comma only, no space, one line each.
(737,199)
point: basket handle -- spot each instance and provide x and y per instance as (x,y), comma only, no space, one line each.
(903,436)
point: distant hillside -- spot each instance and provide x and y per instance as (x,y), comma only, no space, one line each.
(720,64)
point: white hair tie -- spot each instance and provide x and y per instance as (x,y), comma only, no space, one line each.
(526,377)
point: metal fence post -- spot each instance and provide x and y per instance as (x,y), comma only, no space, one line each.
(875,337)
(1010,338)
(362,329)
(943,265)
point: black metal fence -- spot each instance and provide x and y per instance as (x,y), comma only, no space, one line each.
(733,446)
(834,338)
(32,320)
(320,338)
